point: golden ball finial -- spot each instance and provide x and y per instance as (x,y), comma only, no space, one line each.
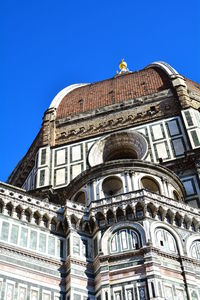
(123,65)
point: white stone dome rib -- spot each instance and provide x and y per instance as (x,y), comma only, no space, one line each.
(164,66)
(58,98)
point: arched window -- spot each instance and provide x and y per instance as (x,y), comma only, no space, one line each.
(176,196)
(195,250)
(45,221)
(27,215)
(150,184)
(124,240)
(36,218)
(165,240)
(80,198)
(9,208)
(112,186)
(19,212)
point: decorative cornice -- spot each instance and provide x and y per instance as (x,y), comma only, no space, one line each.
(21,197)
(132,103)
(9,250)
(110,120)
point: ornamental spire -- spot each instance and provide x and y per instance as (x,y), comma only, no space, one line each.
(123,67)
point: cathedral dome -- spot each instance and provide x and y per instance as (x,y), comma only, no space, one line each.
(118,89)
(104,188)
(127,100)
(81,98)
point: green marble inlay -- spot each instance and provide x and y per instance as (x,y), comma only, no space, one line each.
(4,231)
(23,237)
(14,234)
(33,240)
(42,243)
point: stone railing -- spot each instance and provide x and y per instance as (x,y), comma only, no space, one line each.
(18,196)
(145,197)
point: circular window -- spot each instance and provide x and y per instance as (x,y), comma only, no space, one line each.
(112,185)
(118,145)
(150,184)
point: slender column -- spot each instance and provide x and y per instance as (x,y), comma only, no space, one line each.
(128,182)
(132,178)
(93,190)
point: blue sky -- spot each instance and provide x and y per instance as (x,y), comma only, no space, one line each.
(48,45)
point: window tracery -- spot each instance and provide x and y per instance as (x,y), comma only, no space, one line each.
(195,250)
(165,240)
(124,240)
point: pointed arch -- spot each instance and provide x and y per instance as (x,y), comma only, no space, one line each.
(100,218)
(139,209)
(86,227)
(9,209)
(196,224)
(119,214)
(81,223)
(28,214)
(19,211)
(169,216)
(129,212)
(65,224)
(110,216)
(92,224)
(54,224)
(187,222)
(74,221)
(151,210)
(37,217)
(178,219)
(161,213)
(2,205)
(46,220)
